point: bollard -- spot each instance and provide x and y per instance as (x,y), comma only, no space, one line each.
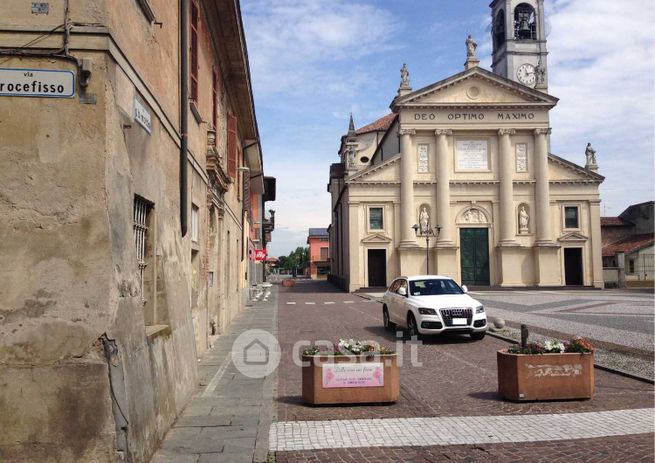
(524,335)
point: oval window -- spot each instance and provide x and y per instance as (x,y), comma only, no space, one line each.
(363,159)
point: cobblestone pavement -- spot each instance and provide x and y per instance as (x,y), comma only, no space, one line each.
(619,322)
(458,379)
(228,419)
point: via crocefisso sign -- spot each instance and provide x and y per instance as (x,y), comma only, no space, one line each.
(44,83)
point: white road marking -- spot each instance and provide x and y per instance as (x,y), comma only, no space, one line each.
(328,303)
(310,303)
(291,303)
(457,430)
(348,302)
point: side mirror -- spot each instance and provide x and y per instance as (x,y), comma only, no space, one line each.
(465,289)
(402,291)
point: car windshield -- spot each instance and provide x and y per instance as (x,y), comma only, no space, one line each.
(433,287)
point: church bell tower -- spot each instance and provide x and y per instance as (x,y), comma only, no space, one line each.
(519,42)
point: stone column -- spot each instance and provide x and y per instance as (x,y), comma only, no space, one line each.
(407,169)
(542,191)
(506,161)
(443,187)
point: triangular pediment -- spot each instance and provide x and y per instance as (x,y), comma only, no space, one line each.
(559,169)
(388,171)
(475,87)
(572,237)
(377,238)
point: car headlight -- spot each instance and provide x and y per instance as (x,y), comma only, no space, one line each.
(424,311)
(479,309)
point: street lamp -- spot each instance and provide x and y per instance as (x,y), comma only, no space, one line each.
(428,231)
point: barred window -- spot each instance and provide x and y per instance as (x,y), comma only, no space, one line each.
(142,208)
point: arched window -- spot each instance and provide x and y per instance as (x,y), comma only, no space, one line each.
(499,29)
(525,22)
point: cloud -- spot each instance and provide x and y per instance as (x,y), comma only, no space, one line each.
(601,67)
(304,46)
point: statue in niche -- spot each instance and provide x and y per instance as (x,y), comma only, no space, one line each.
(351,156)
(424,221)
(470,47)
(524,219)
(404,76)
(590,153)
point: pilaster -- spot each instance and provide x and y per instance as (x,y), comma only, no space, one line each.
(445,238)
(506,173)
(407,169)
(596,245)
(542,190)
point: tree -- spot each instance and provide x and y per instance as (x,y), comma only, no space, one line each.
(297,260)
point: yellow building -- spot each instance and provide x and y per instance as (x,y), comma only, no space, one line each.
(461,175)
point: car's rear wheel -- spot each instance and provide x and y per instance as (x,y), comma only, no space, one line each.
(478,336)
(385,318)
(412,326)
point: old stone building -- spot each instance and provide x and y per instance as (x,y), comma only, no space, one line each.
(459,179)
(131,191)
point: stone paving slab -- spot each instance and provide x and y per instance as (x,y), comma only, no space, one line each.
(401,432)
(229,416)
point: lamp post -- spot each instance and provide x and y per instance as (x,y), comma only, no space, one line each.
(428,231)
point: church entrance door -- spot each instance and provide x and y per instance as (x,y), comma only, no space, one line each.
(573,266)
(474,256)
(377,267)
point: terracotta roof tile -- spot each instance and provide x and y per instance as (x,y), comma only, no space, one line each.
(629,244)
(381,124)
(613,221)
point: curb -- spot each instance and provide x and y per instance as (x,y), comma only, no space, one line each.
(616,371)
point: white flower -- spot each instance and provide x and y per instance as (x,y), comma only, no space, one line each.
(554,346)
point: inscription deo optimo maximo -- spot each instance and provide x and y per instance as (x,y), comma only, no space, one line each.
(496,116)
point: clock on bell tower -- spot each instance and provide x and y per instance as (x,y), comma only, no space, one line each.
(519,42)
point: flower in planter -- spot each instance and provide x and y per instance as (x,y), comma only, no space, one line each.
(580,345)
(349,347)
(553,346)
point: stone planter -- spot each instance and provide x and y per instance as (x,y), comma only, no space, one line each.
(350,379)
(288,283)
(545,376)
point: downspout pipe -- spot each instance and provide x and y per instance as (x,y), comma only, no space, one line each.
(184,113)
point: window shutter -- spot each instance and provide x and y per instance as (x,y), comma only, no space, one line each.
(232,146)
(246,191)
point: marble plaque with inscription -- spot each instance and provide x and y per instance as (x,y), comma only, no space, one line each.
(423,163)
(521,157)
(472,155)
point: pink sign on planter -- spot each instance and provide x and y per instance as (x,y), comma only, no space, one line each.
(353,375)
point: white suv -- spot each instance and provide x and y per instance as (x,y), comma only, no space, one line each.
(432,304)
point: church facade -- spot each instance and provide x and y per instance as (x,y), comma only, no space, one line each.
(459,180)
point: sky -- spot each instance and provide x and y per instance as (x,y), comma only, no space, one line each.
(313,62)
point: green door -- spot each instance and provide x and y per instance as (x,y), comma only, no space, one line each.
(474,253)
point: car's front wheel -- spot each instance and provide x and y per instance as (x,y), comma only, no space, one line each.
(478,336)
(388,325)
(412,326)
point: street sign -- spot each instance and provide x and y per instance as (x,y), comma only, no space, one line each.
(260,255)
(48,83)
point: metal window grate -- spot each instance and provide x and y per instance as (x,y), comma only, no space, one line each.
(141,207)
